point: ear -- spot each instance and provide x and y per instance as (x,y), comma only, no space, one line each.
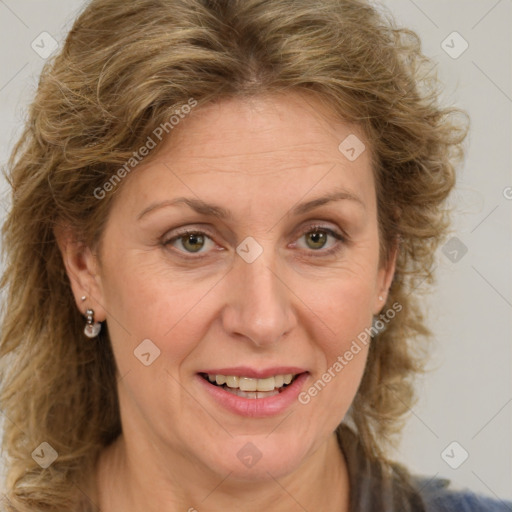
(384,278)
(82,267)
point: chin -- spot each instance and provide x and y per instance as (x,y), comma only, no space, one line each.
(261,457)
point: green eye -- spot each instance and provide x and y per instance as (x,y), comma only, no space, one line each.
(322,240)
(192,242)
(318,239)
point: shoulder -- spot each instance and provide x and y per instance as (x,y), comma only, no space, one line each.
(389,487)
(438,496)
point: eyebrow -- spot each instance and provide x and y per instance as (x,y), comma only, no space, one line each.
(219,212)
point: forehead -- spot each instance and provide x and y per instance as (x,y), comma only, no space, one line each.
(255,148)
(294,127)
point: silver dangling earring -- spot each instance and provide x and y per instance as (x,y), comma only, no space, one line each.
(92,328)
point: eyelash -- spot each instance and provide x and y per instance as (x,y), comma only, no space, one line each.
(340,240)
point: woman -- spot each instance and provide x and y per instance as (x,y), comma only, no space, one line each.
(220,209)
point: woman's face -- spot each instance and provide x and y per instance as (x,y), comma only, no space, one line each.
(278,275)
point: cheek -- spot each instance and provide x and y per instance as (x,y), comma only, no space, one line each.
(343,295)
(347,313)
(144,301)
(342,306)
(340,317)
(343,338)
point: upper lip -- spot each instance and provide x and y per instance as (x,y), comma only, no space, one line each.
(255,373)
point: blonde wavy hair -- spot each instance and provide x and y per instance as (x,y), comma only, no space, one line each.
(124,69)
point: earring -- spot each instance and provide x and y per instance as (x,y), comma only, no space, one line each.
(381,297)
(92,328)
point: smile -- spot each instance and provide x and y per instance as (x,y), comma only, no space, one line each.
(248,387)
(253,393)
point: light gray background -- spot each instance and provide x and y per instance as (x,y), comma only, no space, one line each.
(467,397)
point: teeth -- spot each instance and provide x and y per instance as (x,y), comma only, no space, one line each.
(232,382)
(279,381)
(267,384)
(252,386)
(247,384)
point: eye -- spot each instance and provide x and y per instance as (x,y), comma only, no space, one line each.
(190,241)
(317,238)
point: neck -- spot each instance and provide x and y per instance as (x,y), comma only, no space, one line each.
(129,478)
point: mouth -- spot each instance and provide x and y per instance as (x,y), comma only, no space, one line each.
(253,392)
(249,387)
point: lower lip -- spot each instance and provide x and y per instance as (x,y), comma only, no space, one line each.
(256,407)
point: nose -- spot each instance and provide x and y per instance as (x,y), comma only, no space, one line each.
(259,305)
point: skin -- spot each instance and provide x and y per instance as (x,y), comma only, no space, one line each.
(293,306)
